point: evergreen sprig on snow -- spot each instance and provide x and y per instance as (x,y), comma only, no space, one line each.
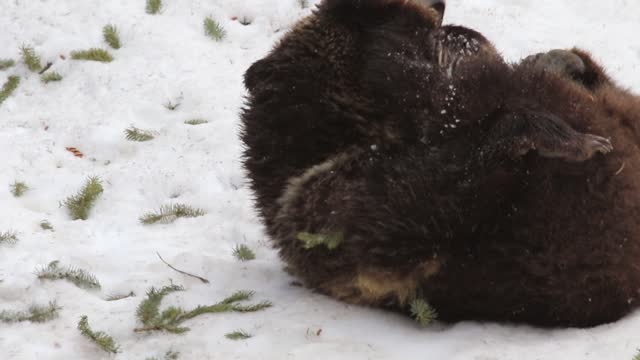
(93,54)
(80,204)
(9,87)
(81,278)
(6,63)
(50,77)
(238,335)
(196,122)
(30,58)
(104,341)
(153,6)
(18,188)
(170,213)
(243,253)
(330,240)
(135,134)
(171,319)
(8,237)
(111,36)
(213,29)
(46,225)
(422,312)
(35,313)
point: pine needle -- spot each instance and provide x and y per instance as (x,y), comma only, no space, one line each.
(135,134)
(196,122)
(93,54)
(104,341)
(331,240)
(243,253)
(49,77)
(8,237)
(35,313)
(153,6)
(18,188)
(6,63)
(45,225)
(170,213)
(171,319)
(111,36)
(238,335)
(9,87)
(213,29)
(80,278)
(30,58)
(80,204)
(422,312)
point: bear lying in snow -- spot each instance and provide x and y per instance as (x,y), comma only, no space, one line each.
(396,159)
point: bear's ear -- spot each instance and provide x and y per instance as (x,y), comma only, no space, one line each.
(438,6)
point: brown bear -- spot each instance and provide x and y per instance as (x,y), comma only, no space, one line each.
(396,159)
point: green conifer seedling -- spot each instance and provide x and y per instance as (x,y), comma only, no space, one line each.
(330,240)
(213,29)
(46,225)
(6,63)
(104,341)
(8,237)
(9,87)
(35,314)
(170,213)
(50,77)
(80,204)
(18,188)
(238,335)
(93,54)
(171,319)
(243,253)
(422,312)
(30,58)
(196,122)
(111,36)
(135,134)
(80,278)
(153,6)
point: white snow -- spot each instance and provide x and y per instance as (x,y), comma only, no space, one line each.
(163,58)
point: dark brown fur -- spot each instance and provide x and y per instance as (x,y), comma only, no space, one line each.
(451,175)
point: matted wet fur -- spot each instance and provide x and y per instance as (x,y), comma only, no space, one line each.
(488,189)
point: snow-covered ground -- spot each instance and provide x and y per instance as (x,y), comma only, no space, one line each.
(167,57)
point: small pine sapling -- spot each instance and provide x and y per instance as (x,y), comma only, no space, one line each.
(170,213)
(153,6)
(9,87)
(213,29)
(18,188)
(81,278)
(422,312)
(104,341)
(6,63)
(243,253)
(111,36)
(8,237)
(135,134)
(30,58)
(330,240)
(80,204)
(171,319)
(35,314)
(46,225)
(196,122)
(50,77)
(93,54)
(238,335)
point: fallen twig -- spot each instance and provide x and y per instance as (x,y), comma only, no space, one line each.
(182,272)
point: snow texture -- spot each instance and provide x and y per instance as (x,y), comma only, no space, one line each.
(167,57)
